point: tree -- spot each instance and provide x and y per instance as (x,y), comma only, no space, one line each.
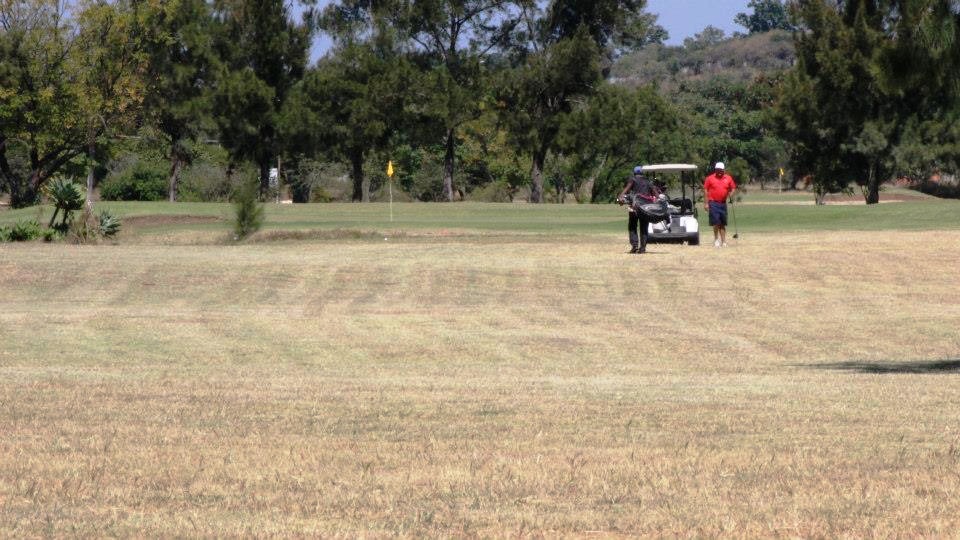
(452,41)
(920,68)
(833,107)
(181,69)
(66,83)
(264,53)
(767,15)
(708,37)
(108,61)
(66,197)
(614,130)
(349,106)
(41,118)
(538,94)
(874,93)
(562,64)
(616,26)
(730,120)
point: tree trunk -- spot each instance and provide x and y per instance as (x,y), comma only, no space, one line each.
(299,190)
(91,150)
(361,191)
(819,194)
(264,178)
(28,193)
(448,165)
(536,177)
(176,166)
(873,187)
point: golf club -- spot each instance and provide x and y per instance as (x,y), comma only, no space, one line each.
(733,211)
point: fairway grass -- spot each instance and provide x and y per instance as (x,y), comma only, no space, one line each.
(446,383)
(757,212)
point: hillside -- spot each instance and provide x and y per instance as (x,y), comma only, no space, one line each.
(739,59)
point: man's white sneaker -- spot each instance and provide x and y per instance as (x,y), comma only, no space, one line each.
(724,244)
(716,243)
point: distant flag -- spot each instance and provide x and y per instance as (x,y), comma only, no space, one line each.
(781,171)
(390,169)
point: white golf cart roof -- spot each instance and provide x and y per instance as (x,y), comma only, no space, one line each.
(669,167)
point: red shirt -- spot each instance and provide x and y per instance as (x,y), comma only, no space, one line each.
(719,186)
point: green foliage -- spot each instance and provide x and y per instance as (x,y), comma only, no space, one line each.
(85,230)
(536,97)
(67,77)
(263,53)
(51,235)
(40,103)
(207,182)
(488,158)
(730,121)
(249,211)
(109,224)
(454,40)
(419,172)
(498,191)
(615,26)
(615,130)
(349,106)
(141,182)
(709,37)
(182,64)
(738,60)
(874,94)
(767,15)
(24,231)
(67,197)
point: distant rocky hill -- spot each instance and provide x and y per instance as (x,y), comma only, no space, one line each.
(738,58)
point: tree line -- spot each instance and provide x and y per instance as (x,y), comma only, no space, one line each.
(500,96)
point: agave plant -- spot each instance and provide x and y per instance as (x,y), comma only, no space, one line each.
(67,197)
(109,223)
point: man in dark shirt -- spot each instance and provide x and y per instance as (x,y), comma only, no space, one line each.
(638,190)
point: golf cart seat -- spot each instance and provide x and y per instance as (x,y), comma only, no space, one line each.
(683,205)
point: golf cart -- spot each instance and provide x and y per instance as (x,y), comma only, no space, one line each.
(682,225)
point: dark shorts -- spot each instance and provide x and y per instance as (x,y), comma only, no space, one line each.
(718,213)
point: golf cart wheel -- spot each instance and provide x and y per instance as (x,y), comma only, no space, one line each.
(693,240)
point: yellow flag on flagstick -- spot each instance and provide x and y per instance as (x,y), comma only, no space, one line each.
(390,169)
(781,172)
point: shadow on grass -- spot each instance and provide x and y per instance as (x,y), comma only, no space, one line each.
(880,367)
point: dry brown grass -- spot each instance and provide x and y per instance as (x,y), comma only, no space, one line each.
(799,385)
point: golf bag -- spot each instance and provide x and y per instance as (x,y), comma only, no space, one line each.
(653,212)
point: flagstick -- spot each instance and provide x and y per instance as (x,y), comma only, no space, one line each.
(390,182)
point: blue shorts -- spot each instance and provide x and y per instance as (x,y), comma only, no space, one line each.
(718,213)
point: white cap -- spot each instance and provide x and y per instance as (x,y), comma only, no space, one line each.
(719,165)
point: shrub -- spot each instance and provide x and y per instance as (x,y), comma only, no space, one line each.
(52,235)
(142,182)
(4,234)
(499,191)
(205,182)
(85,229)
(109,224)
(90,228)
(25,231)
(249,217)
(944,190)
(66,197)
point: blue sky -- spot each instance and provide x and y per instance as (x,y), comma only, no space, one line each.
(681,18)
(684,18)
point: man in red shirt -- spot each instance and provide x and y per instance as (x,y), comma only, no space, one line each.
(717,188)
